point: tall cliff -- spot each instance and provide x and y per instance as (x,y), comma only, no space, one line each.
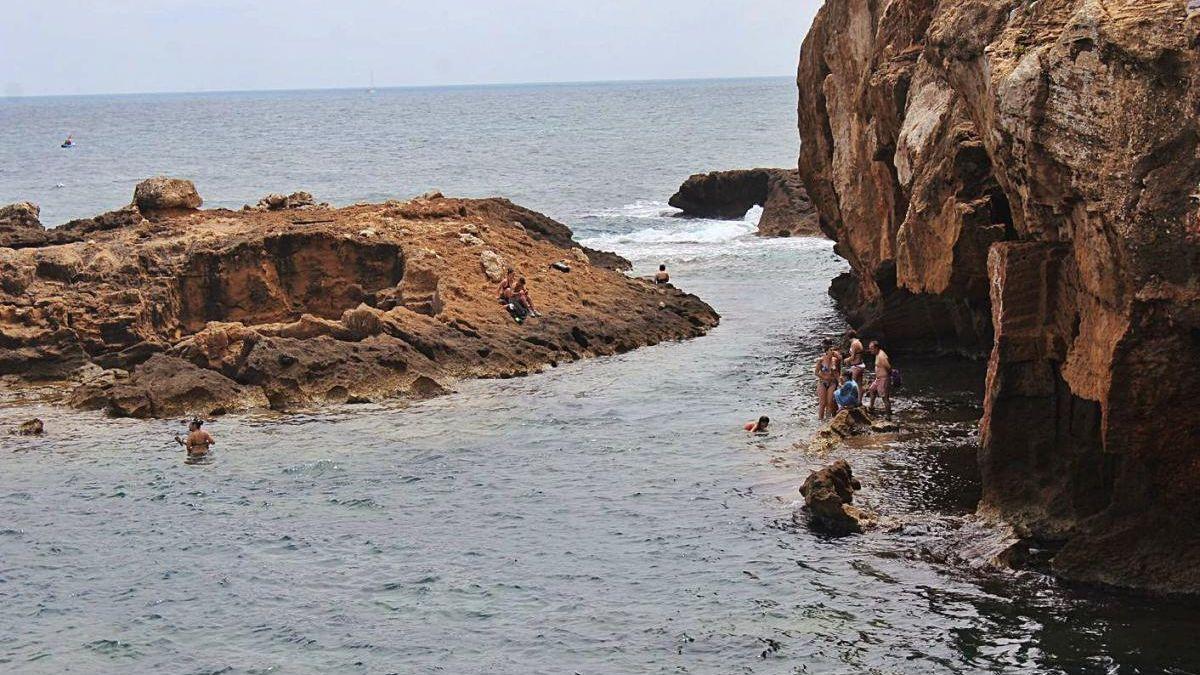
(1023,177)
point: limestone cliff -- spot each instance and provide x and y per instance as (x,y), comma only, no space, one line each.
(160,309)
(1023,177)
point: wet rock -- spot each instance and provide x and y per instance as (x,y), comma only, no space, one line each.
(846,423)
(828,497)
(787,210)
(33,427)
(162,193)
(167,386)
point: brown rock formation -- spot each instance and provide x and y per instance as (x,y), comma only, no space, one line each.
(1032,166)
(204,312)
(162,193)
(787,211)
(828,498)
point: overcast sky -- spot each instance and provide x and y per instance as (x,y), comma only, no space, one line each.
(103,46)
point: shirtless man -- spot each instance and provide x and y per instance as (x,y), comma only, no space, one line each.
(661,277)
(826,371)
(882,386)
(197,441)
(855,359)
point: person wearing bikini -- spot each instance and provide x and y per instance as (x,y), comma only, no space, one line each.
(198,440)
(826,370)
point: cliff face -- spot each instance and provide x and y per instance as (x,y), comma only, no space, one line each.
(1034,165)
(159,309)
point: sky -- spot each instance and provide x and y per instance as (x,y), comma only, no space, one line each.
(120,46)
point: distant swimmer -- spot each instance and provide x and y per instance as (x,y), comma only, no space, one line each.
(69,143)
(661,277)
(759,427)
(197,442)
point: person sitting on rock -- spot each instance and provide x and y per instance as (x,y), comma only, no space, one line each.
(662,277)
(759,427)
(521,293)
(506,284)
(848,395)
(198,441)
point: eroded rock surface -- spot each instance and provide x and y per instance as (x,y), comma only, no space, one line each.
(787,210)
(828,498)
(186,311)
(1021,178)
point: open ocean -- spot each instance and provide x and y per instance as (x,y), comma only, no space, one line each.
(607,516)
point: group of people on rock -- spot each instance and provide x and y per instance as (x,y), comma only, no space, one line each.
(841,374)
(840,378)
(514,295)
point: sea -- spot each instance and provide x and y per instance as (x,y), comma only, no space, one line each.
(605,516)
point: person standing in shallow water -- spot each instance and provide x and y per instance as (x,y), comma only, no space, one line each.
(198,441)
(826,371)
(882,386)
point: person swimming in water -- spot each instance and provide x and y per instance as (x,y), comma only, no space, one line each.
(69,142)
(826,370)
(198,441)
(759,427)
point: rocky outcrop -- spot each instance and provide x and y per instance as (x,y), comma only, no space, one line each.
(1022,177)
(177,311)
(787,210)
(162,193)
(828,499)
(278,202)
(20,227)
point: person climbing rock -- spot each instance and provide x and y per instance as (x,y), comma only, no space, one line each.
(759,427)
(882,386)
(198,441)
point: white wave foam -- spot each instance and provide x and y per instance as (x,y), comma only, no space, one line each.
(642,208)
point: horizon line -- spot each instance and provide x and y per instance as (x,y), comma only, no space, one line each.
(460,85)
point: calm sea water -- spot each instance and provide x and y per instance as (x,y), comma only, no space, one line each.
(604,517)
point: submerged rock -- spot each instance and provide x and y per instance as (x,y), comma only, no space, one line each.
(33,427)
